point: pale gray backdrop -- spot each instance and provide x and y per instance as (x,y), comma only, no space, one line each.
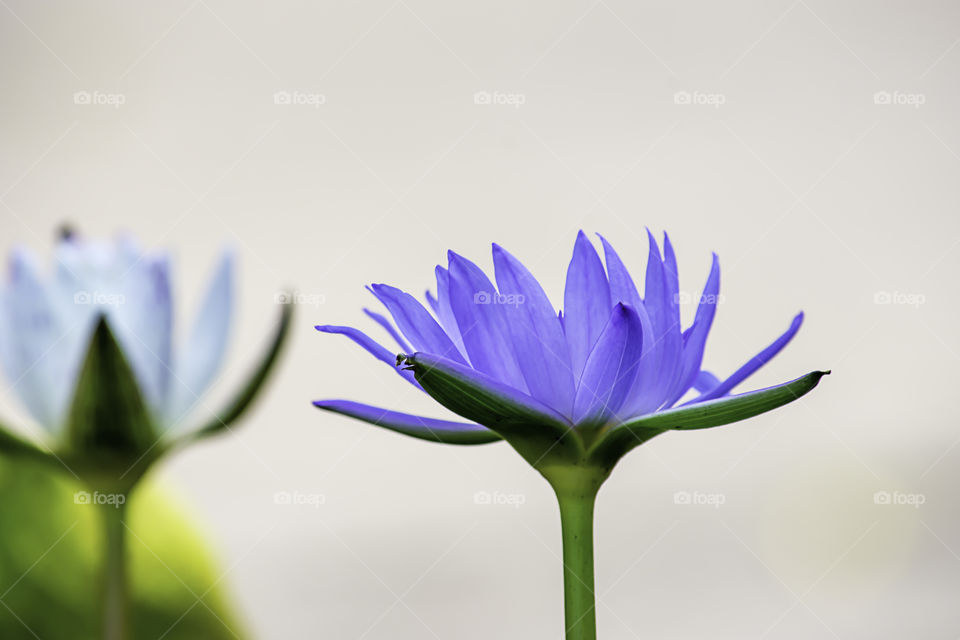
(813,145)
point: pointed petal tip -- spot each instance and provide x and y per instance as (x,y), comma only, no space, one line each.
(652,241)
(499,252)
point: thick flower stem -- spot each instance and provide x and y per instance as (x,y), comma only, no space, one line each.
(576,494)
(115,593)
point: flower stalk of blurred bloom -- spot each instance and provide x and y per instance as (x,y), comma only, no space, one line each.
(89,351)
(572,392)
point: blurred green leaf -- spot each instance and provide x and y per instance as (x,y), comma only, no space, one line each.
(49,564)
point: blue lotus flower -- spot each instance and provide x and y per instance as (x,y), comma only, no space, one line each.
(90,352)
(48,322)
(571,391)
(608,372)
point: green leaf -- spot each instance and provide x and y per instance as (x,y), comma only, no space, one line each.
(242,400)
(108,421)
(712,413)
(542,438)
(50,573)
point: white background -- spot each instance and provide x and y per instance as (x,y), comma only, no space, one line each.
(814,196)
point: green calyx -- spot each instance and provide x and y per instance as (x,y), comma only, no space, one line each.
(548,441)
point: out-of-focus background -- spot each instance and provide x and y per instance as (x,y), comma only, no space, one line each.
(815,146)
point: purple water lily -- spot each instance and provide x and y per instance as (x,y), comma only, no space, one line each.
(612,359)
(571,391)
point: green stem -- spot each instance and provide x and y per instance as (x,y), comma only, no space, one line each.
(576,497)
(114,571)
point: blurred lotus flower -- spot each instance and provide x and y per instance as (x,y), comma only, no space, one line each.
(89,351)
(573,391)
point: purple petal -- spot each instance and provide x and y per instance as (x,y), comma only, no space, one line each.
(41,348)
(611,368)
(754,363)
(537,334)
(444,431)
(388,326)
(143,324)
(695,339)
(642,395)
(705,381)
(445,313)
(622,288)
(434,305)
(415,322)
(372,347)
(479,310)
(586,302)
(661,302)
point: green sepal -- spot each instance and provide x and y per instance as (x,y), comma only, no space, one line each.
(244,398)
(541,438)
(703,415)
(108,425)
